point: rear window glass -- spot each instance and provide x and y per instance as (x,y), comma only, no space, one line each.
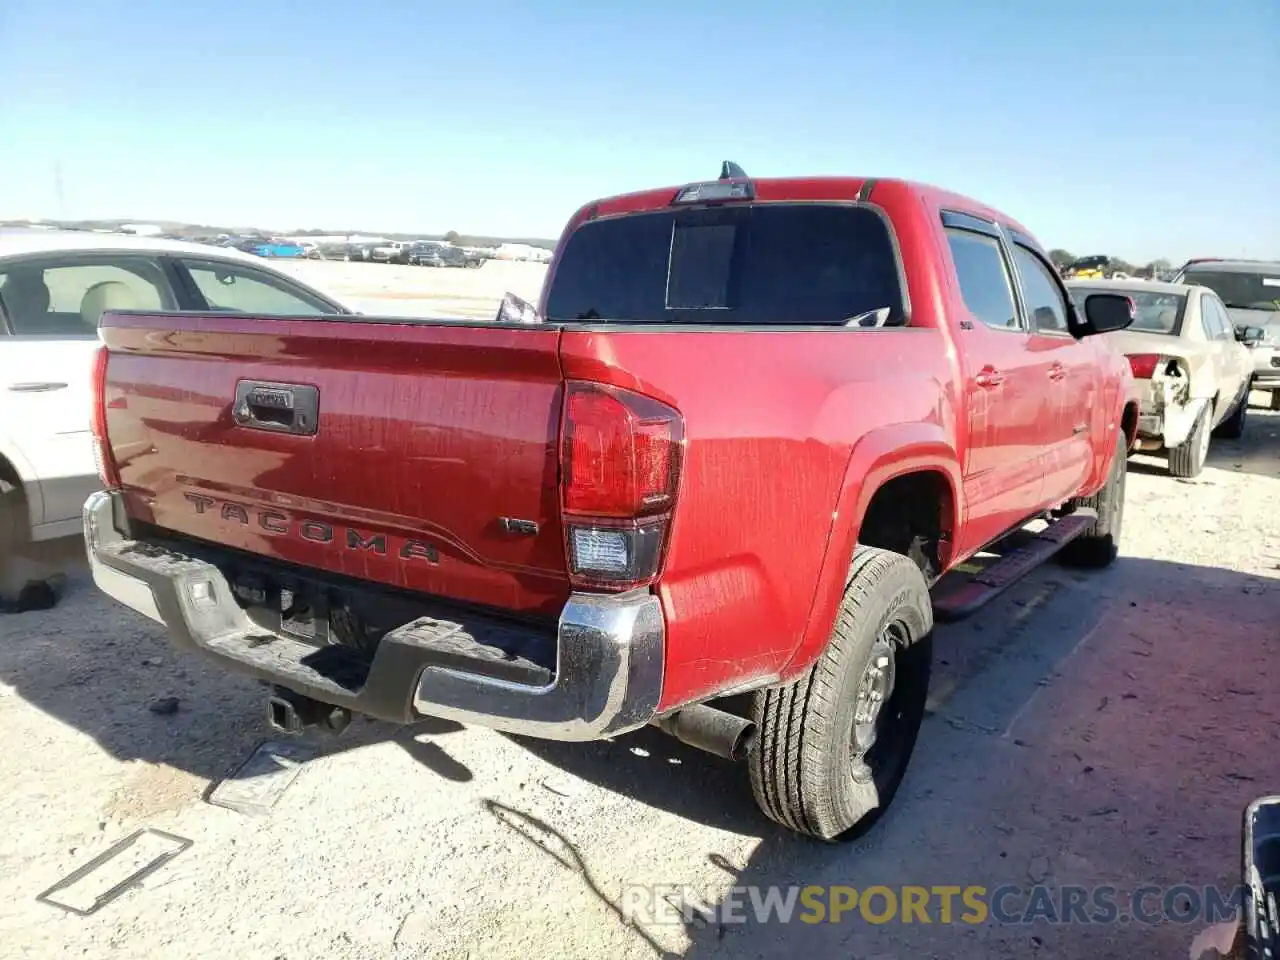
(802,264)
(1157,312)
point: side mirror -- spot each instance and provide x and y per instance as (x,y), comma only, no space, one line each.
(1250,336)
(1107,313)
(515,310)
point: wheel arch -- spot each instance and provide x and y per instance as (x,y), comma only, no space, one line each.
(17,470)
(917,455)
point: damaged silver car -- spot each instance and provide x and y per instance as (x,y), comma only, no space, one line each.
(1194,373)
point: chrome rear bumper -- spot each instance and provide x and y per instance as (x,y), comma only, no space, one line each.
(607,677)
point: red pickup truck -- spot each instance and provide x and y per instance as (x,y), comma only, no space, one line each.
(733,449)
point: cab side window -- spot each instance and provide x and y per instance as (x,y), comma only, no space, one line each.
(984,278)
(1046,305)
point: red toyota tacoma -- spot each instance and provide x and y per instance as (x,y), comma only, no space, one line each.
(733,449)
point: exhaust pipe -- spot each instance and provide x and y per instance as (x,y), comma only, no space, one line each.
(292,713)
(715,731)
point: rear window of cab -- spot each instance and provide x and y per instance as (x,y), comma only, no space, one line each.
(804,264)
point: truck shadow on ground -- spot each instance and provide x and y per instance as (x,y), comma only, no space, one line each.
(1091,719)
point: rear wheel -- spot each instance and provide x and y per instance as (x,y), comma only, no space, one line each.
(1232,428)
(1100,544)
(15,528)
(833,746)
(1275,399)
(1187,458)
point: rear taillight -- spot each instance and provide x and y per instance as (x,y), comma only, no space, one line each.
(1144,365)
(620,470)
(107,470)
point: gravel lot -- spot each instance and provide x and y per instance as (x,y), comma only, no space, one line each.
(1085,729)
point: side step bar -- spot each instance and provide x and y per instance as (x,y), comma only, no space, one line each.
(959,598)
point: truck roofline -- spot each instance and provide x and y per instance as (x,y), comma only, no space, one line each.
(782,189)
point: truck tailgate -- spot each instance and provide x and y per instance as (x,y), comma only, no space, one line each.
(430,465)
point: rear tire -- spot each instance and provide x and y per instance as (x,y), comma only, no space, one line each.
(1275,400)
(1187,459)
(833,746)
(1100,544)
(1232,428)
(15,523)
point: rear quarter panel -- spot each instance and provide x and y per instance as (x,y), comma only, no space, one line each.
(787,433)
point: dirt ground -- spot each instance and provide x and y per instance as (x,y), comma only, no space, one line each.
(1106,728)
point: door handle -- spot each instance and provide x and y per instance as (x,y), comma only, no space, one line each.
(1057,372)
(989,377)
(36,387)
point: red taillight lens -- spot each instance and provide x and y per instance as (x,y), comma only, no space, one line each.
(1144,365)
(107,470)
(620,452)
(620,460)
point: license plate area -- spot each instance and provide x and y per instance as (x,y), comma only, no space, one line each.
(304,619)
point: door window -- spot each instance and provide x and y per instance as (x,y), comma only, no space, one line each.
(236,289)
(45,298)
(984,278)
(1207,324)
(1222,322)
(1046,305)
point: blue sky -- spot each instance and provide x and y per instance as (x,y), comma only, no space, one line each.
(1137,129)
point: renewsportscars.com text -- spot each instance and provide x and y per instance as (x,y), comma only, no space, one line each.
(940,904)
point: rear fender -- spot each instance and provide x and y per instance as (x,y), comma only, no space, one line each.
(880,456)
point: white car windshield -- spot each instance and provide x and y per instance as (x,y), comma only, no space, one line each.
(1239,289)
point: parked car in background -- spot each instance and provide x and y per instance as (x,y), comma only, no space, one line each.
(1194,375)
(431,254)
(1088,268)
(749,427)
(54,288)
(425,253)
(286,249)
(1250,289)
(343,250)
(393,251)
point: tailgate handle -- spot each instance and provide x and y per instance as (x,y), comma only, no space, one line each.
(277,407)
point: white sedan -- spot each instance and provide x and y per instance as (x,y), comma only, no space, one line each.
(1194,374)
(54,288)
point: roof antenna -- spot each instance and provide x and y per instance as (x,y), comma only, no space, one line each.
(731,171)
